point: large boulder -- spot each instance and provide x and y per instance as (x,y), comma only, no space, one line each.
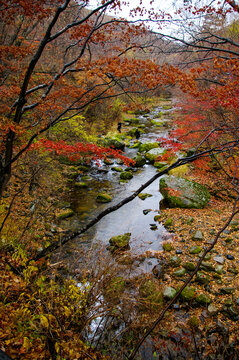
(153,154)
(148,146)
(182,193)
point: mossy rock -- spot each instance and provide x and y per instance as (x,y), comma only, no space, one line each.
(148,146)
(195,250)
(207,266)
(179,272)
(114,143)
(189,266)
(81,184)
(193,322)
(157,122)
(143,196)
(103,198)
(181,171)
(167,107)
(157,217)
(160,164)
(83,168)
(64,214)
(202,278)
(108,162)
(188,293)
(117,169)
(203,299)
(133,131)
(126,175)
(168,223)
(119,242)
(153,154)
(135,145)
(139,161)
(182,193)
(167,246)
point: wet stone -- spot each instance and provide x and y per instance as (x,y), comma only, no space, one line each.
(230,257)
(146,211)
(153,227)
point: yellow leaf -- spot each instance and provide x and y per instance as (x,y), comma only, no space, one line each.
(44,321)
(57,347)
(67,311)
(26,343)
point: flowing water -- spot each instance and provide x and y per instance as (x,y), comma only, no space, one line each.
(131,217)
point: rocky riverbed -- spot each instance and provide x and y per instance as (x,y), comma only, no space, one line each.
(162,250)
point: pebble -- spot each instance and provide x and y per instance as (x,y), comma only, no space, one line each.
(178,251)
(230,257)
(219,259)
(146,211)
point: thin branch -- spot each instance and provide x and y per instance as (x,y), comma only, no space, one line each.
(107,211)
(206,251)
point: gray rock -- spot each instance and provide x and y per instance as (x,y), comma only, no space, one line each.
(212,309)
(179,272)
(198,236)
(219,269)
(169,293)
(219,259)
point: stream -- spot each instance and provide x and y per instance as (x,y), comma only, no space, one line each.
(136,217)
(146,234)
